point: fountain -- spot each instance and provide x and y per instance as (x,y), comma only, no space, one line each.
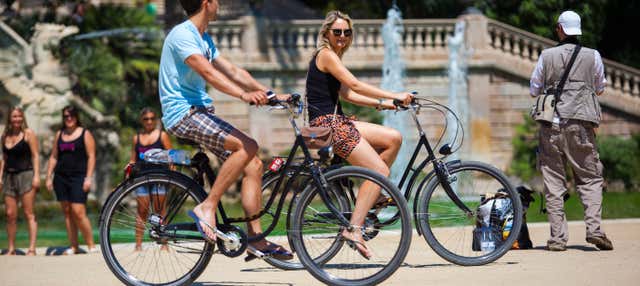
(458,99)
(393,73)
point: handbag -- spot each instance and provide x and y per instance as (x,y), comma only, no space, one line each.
(317,137)
(544,108)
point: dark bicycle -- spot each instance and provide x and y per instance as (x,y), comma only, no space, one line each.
(452,200)
(176,254)
(455,203)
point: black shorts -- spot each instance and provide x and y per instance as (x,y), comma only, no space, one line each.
(68,188)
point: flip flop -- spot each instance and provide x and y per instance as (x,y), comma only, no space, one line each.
(273,250)
(353,244)
(202,233)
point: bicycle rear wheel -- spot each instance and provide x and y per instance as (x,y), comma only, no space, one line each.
(147,238)
(450,231)
(315,230)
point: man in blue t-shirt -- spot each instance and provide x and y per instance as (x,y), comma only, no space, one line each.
(189,61)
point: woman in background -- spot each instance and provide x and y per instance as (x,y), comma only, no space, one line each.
(20,176)
(150,137)
(73,159)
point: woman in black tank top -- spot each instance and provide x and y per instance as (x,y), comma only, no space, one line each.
(149,138)
(73,160)
(360,143)
(19,176)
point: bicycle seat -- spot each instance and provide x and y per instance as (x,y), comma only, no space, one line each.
(188,142)
(325,153)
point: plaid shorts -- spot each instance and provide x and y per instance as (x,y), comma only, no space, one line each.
(202,126)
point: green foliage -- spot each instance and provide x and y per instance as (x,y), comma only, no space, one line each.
(523,164)
(363,113)
(540,17)
(620,159)
(99,75)
(121,69)
(117,73)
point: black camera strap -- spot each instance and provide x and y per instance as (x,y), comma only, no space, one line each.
(563,80)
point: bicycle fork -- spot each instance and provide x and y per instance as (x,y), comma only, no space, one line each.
(321,182)
(446,179)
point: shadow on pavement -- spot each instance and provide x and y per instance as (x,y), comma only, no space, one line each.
(17,252)
(232,283)
(576,247)
(62,250)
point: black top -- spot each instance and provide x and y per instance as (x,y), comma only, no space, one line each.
(322,92)
(18,157)
(143,148)
(72,156)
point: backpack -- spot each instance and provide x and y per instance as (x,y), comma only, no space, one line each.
(494,220)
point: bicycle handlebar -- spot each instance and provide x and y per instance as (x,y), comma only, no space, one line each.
(400,105)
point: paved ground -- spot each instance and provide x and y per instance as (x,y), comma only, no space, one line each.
(581,264)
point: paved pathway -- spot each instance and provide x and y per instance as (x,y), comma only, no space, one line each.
(581,264)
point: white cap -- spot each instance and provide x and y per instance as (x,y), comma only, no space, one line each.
(570,22)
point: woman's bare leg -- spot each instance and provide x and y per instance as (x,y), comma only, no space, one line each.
(365,156)
(11,210)
(28,200)
(385,140)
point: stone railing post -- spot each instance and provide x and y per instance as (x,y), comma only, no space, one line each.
(251,38)
(478,87)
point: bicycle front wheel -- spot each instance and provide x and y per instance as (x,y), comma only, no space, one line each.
(316,230)
(147,238)
(456,235)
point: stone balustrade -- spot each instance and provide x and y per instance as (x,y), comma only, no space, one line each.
(422,39)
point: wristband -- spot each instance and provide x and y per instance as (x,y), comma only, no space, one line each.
(379,106)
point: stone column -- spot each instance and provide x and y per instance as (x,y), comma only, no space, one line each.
(476,39)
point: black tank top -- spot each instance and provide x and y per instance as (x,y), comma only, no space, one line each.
(322,92)
(72,156)
(18,157)
(143,148)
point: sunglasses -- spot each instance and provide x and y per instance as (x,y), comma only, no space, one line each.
(148,118)
(345,32)
(67,116)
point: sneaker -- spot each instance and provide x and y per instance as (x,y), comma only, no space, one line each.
(556,247)
(601,242)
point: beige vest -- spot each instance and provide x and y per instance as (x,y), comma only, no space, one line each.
(578,99)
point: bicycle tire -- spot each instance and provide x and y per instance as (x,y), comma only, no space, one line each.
(116,207)
(441,222)
(323,269)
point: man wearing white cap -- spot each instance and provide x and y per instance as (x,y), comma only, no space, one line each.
(570,138)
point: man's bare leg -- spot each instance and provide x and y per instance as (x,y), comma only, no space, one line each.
(243,150)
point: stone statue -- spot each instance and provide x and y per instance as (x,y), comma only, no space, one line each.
(38,82)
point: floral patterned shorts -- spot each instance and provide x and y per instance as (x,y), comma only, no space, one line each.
(345,136)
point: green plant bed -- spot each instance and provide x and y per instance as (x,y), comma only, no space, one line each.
(614,205)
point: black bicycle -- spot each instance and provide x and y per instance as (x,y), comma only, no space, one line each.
(468,211)
(176,253)
(455,203)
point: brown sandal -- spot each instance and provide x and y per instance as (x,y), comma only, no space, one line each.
(364,251)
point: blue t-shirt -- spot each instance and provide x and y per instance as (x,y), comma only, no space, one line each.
(180,87)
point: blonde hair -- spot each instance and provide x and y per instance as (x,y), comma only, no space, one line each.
(323,41)
(8,126)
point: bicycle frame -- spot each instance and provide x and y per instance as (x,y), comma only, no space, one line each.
(201,163)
